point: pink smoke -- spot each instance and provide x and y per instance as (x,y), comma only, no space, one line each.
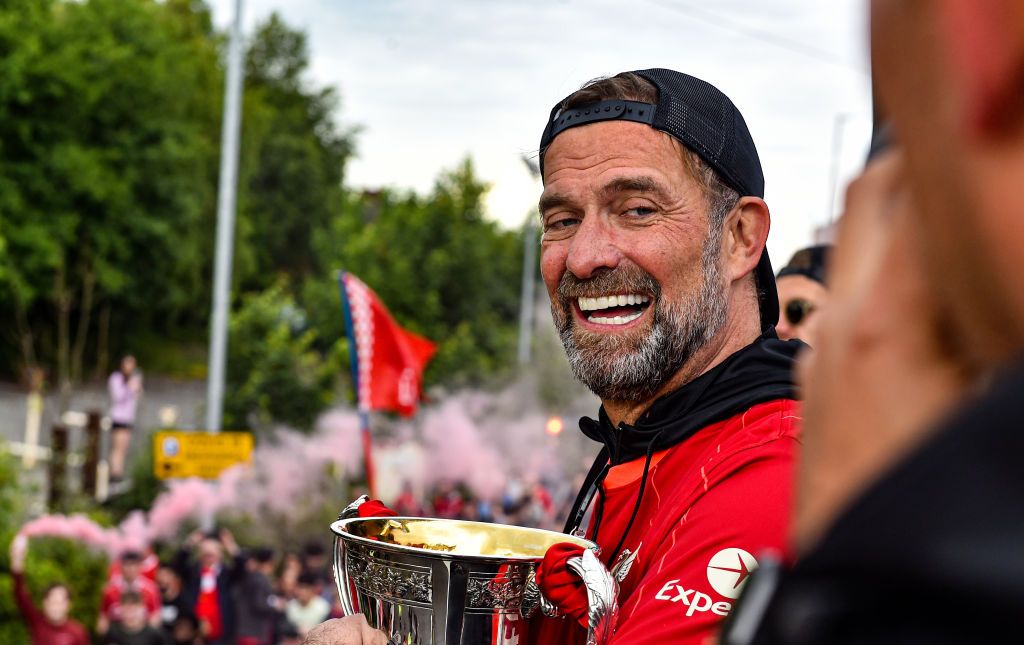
(480,439)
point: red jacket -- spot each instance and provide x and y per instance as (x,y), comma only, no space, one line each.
(714,503)
(42,631)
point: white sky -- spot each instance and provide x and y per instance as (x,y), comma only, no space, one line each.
(431,82)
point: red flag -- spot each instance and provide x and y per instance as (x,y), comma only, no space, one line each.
(389,360)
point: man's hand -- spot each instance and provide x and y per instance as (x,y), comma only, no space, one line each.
(375,508)
(230,545)
(882,371)
(352,630)
(562,587)
(19,551)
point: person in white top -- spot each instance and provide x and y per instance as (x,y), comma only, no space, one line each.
(125,388)
(307,609)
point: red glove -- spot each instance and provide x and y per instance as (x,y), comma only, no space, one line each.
(375,508)
(561,586)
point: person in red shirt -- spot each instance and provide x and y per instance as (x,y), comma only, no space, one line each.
(130,578)
(653,253)
(210,581)
(51,626)
(654,258)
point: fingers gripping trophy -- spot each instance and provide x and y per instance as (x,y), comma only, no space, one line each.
(450,582)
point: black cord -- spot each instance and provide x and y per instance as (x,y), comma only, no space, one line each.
(598,514)
(639,498)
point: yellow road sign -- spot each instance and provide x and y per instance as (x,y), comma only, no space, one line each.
(190,453)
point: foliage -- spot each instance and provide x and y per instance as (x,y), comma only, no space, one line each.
(108,126)
(109,149)
(292,178)
(50,560)
(109,133)
(274,374)
(442,268)
(145,486)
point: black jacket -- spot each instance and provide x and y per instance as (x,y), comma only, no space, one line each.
(932,553)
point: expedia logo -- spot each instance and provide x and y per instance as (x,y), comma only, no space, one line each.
(727,572)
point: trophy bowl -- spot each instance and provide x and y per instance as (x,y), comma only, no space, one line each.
(429,581)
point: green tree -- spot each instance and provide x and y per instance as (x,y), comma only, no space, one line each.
(274,375)
(443,269)
(294,160)
(107,124)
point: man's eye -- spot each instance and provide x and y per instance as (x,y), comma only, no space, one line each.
(639,211)
(560,223)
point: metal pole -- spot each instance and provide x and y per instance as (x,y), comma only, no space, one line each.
(225,225)
(526,297)
(833,173)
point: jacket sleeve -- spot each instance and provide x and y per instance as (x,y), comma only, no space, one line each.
(29,611)
(691,579)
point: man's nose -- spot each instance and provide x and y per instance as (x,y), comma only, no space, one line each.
(593,248)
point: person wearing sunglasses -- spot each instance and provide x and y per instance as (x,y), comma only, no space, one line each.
(802,292)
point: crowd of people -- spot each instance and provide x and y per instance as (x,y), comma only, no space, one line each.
(210,591)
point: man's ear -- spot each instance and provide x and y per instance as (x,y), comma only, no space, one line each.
(745,234)
(985,41)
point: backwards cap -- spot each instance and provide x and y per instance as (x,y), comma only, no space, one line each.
(703,119)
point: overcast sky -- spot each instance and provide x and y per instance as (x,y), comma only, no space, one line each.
(430,82)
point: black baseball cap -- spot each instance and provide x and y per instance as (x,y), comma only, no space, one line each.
(810,263)
(702,118)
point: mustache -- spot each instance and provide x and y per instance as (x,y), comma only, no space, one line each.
(628,279)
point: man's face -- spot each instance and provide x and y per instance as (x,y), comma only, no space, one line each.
(209,553)
(168,581)
(133,615)
(130,570)
(631,270)
(305,593)
(800,302)
(56,605)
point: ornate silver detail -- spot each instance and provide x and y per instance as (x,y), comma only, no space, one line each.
(624,563)
(602,596)
(352,510)
(504,593)
(385,580)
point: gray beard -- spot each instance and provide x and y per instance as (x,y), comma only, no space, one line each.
(624,367)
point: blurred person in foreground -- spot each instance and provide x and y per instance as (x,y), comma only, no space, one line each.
(257,607)
(51,625)
(133,626)
(125,388)
(209,582)
(803,291)
(653,254)
(911,508)
(128,579)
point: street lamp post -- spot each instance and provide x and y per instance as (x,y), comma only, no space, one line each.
(226,193)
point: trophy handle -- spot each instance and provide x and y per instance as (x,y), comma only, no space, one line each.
(602,596)
(352,510)
(340,576)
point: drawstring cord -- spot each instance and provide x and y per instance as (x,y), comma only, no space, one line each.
(639,498)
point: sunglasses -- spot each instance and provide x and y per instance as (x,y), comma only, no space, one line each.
(796,311)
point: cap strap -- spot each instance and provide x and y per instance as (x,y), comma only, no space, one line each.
(613,109)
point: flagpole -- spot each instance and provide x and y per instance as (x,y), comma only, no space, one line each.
(364,413)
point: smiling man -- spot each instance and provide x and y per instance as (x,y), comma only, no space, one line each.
(654,257)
